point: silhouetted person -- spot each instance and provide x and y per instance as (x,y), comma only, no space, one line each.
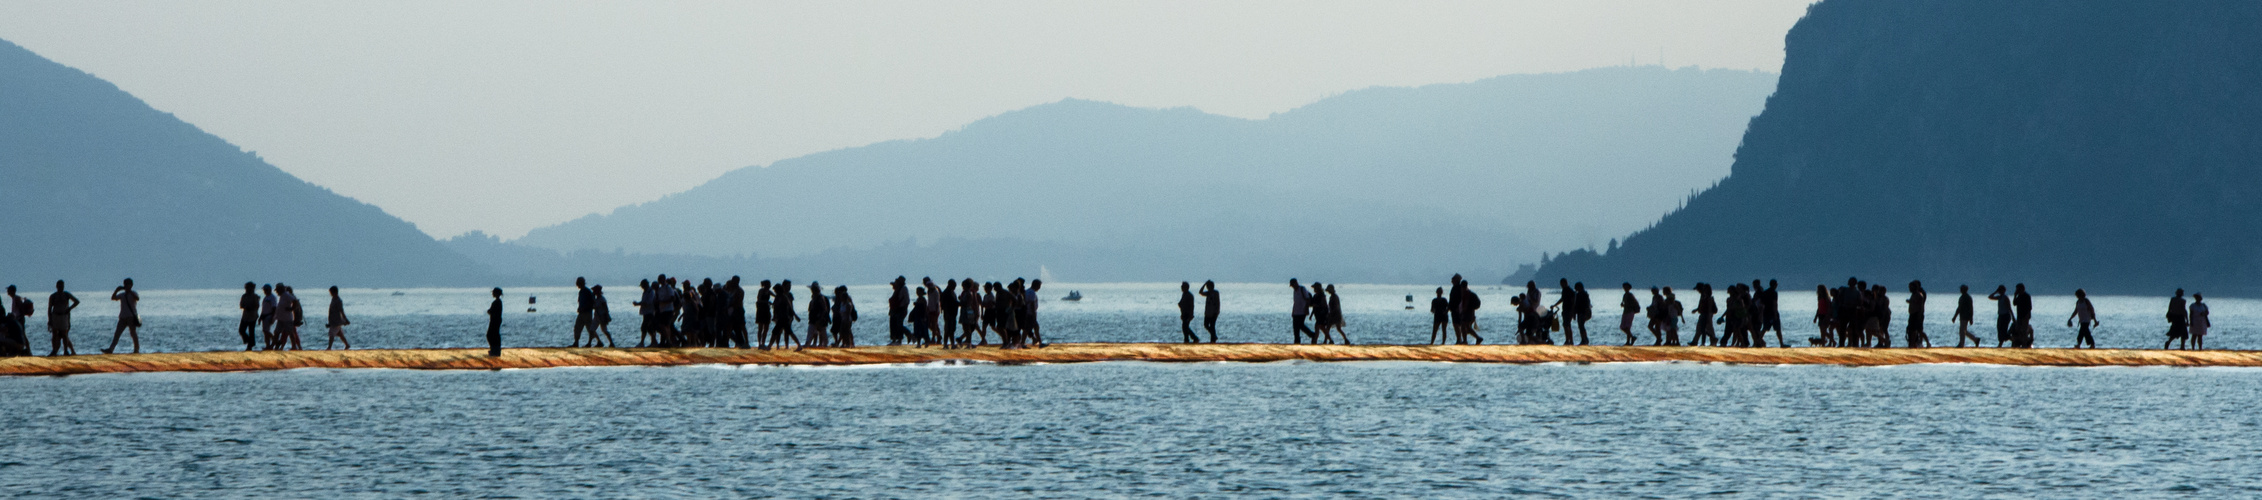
(1963,318)
(1704,310)
(1210,309)
(899,308)
(290,315)
(762,336)
(1673,315)
(1655,313)
(129,316)
(948,302)
(2002,300)
(1319,314)
(1186,313)
(1628,307)
(844,318)
(1532,332)
(267,304)
(1335,314)
(17,342)
(970,310)
(17,310)
(1771,314)
(820,317)
(1916,299)
(2084,316)
(1299,306)
(921,326)
(2023,328)
(584,313)
(2199,321)
(782,315)
(495,325)
(1465,312)
(1029,323)
(1441,316)
(2179,325)
(59,306)
(1823,321)
(604,315)
(338,321)
(1584,313)
(248,329)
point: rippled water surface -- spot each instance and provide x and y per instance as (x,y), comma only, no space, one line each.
(1137,429)
(1124,429)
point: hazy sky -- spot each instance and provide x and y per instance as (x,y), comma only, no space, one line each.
(505,116)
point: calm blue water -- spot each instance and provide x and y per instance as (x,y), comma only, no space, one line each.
(1123,429)
(1138,429)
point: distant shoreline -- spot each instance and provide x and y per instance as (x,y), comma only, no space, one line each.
(476,359)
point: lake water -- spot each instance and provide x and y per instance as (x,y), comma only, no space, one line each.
(1419,430)
(1125,429)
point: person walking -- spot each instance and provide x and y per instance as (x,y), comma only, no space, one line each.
(1210,308)
(820,317)
(604,316)
(844,318)
(1299,306)
(338,321)
(970,311)
(1186,313)
(495,325)
(248,329)
(584,313)
(1916,336)
(1963,318)
(782,317)
(1628,307)
(2179,326)
(289,316)
(129,316)
(2083,318)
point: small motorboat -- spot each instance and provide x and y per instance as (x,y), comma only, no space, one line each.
(1073,296)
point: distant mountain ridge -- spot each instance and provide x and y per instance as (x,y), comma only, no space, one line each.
(2113,145)
(97,186)
(1383,184)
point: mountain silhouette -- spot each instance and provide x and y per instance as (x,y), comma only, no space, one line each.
(1386,184)
(2112,145)
(97,186)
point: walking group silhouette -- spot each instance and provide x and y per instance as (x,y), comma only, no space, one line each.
(964,313)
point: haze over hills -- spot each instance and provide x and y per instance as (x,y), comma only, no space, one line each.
(2110,145)
(97,186)
(1385,184)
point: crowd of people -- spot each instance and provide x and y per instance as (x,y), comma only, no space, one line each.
(965,313)
(1859,314)
(677,313)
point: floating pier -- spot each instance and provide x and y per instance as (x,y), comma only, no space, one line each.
(476,359)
